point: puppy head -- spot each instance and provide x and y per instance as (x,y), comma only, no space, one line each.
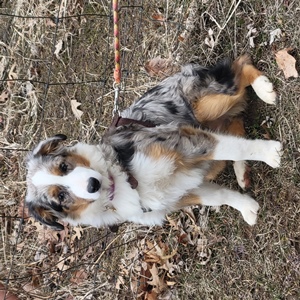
(60,182)
(39,207)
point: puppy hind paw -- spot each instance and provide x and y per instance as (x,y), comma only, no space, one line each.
(242,173)
(263,87)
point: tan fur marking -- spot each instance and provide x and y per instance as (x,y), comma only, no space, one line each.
(188,200)
(157,151)
(188,130)
(53,191)
(44,213)
(245,72)
(212,107)
(55,171)
(75,210)
(215,169)
(73,160)
(249,74)
(78,160)
(236,127)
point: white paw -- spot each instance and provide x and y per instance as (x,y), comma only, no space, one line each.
(263,87)
(273,154)
(249,210)
(241,170)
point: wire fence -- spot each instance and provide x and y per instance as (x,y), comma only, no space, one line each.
(56,75)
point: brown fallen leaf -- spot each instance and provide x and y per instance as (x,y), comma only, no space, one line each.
(58,48)
(12,76)
(23,210)
(5,294)
(79,277)
(160,67)
(4,96)
(159,18)
(49,22)
(287,63)
(157,281)
(75,109)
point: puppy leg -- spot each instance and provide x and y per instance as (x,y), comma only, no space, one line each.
(213,195)
(237,149)
(233,126)
(241,168)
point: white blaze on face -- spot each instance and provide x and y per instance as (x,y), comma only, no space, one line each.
(76,181)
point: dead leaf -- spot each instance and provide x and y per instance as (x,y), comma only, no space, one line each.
(159,18)
(180,38)
(156,281)
(251,35)
(287,63)
(77,233)
(58,48)
(88,253)
(5,294)
(65,262)
(12,76)
(50,23)
(79,277)
(160,67)
(275,34)
(151,296)
(23,210)
(4,96)
(210,41)
(33,284)
(75,109)
(120,282)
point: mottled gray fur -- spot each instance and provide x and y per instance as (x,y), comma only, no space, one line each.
(172,99)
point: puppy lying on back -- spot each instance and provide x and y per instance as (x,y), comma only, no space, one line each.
(160,157)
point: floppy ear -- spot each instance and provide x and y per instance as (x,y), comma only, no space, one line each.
(49,146)
(44,215)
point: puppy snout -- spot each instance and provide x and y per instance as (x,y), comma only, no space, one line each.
(93,185)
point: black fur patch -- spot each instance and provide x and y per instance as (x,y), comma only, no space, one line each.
(36,211)
(155,90)
(161,139)
(171,107)
(125,153)
(224,75)
(56,206)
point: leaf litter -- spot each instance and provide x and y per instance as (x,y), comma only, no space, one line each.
(287,63)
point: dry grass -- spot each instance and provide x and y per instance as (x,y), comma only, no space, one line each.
(200,254)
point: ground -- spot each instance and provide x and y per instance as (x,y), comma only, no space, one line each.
(65,55)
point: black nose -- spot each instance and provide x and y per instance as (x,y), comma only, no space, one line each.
(93,185)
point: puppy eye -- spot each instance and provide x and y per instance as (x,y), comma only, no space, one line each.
(61,196)
(63,167)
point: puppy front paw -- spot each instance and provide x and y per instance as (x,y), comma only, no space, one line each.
(249,211)
(274,153)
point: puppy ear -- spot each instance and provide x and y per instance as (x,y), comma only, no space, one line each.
(44,215)
(49,146)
